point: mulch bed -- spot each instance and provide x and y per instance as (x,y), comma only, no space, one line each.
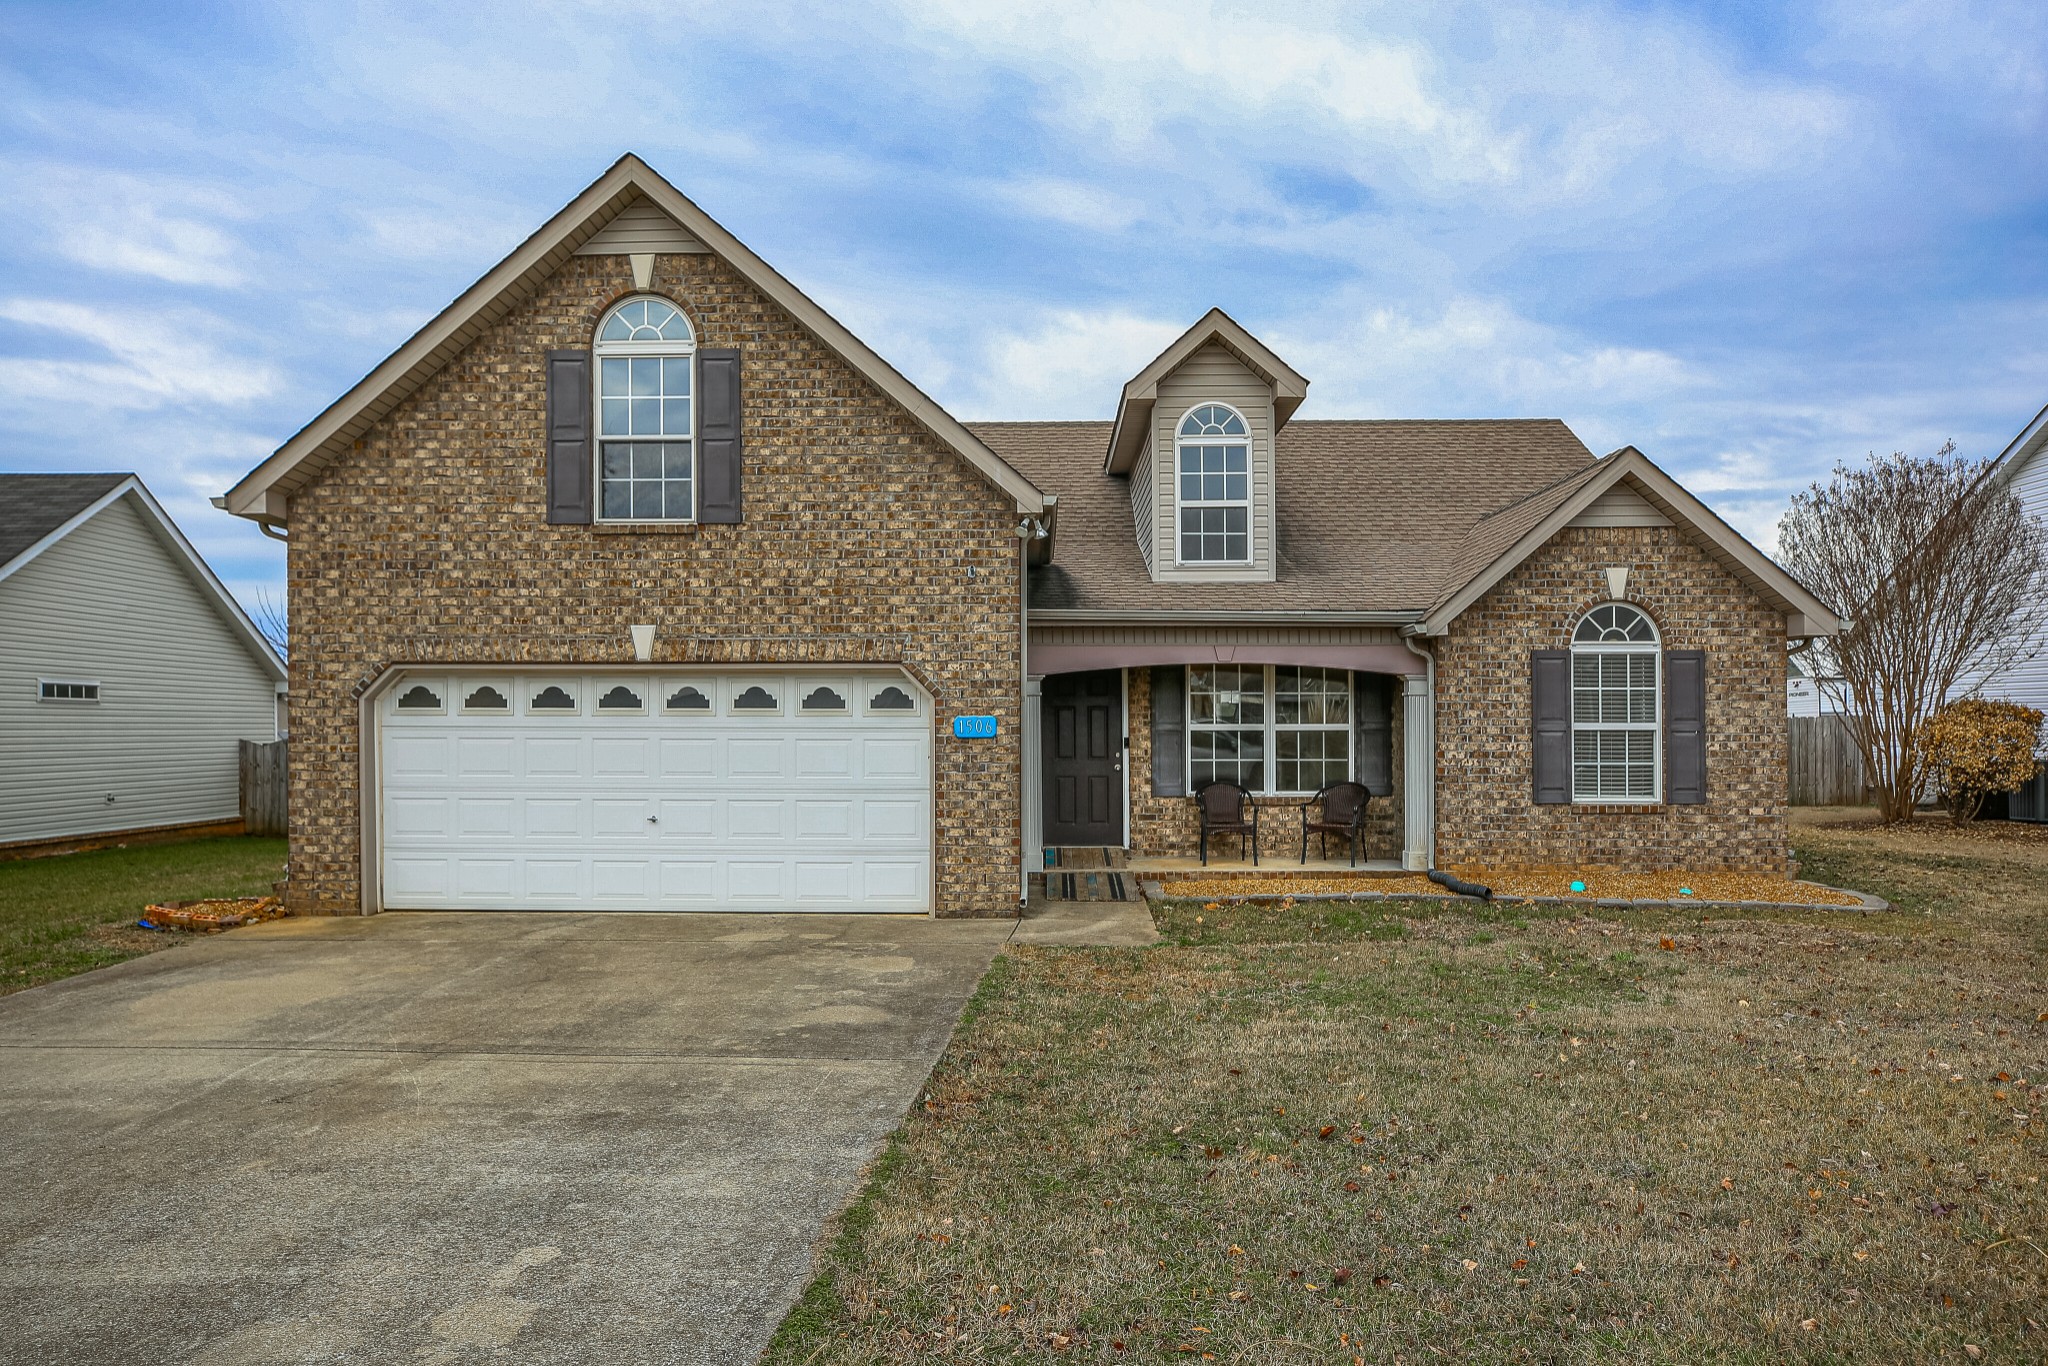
(1534,883)
(212,914)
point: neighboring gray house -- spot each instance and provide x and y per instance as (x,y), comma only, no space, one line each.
(127,672)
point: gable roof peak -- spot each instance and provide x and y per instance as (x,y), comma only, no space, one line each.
(1134,408)
(263,494)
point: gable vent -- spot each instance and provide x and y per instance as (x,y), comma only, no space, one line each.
(1620,506)
(638,229)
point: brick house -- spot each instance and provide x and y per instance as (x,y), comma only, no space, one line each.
(634,580)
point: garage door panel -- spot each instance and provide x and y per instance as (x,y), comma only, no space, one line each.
(503,808)
(890,758)
(409,756)
(478,756)
(882,819)
(824,818)
(688,818)
(757,879)
(630,880)
(484,817)
(491,880)
(554,817)
(553,756)
(757,757)
(824,758)
(424,817)
(622,818)
(690,759)
(621,757)
(903,881)
(560,880)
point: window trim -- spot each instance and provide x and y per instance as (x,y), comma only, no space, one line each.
(1654,648)
(1251,460)
(43,695)
(601,350)
(1270,727)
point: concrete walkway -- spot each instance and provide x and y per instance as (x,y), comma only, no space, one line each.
(452,1138)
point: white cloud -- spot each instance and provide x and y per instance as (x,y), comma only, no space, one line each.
(1470,356)
(156,226)
(1068,364)
(148,360)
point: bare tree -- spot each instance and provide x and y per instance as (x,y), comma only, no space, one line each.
(1942,575)
(273,620)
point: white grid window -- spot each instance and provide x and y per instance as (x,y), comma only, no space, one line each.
(1616,711)
(646,466)
(1214,487)
(65,690)
(1274,728)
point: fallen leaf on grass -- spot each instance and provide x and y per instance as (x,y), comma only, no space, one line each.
(1809,1324)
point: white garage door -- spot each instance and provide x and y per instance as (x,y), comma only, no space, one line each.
(656,792)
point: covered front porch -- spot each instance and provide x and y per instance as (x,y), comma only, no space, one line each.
(1125,723)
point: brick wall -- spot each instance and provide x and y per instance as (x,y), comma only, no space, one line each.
(1484,809)
(1162,826)
(429,543)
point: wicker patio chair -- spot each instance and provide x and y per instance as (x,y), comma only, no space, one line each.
(1343,813)
(1226,809)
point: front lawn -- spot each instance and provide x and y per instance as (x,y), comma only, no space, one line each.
(1344,1134)
(72,912)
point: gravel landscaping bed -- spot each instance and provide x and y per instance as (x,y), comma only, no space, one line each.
(1541,886)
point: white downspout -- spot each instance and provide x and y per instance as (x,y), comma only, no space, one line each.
(1418,759)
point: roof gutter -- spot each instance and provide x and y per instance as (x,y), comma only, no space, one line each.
(1178,616)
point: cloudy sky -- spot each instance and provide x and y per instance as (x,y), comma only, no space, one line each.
(1752,239)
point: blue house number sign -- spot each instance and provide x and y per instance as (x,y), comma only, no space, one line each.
(974,727)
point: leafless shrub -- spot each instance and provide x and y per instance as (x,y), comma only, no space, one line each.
(1942,574)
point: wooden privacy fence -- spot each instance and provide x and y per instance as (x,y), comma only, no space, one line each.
(1826,769)
(263,787)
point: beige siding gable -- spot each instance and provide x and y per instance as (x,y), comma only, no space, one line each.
(1211,375)
(1622,505)
(1144,500)
(640,227)
(110,604)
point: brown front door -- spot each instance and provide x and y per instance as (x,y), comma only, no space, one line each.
(1082,717)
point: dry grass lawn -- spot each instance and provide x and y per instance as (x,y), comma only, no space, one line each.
(1342,1134)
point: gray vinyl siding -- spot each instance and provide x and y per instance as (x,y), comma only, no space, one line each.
(111,604)
(1620,506)
(1212,375)
(1144,497)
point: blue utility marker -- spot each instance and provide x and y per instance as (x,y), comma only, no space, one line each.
(974,727)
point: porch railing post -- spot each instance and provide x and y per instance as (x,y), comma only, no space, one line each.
(1418,762)
(1034,799)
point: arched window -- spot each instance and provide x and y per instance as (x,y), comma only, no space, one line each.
(1215,478)
(646,458)
(1616,706)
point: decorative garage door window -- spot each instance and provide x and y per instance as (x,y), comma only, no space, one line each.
(485,698)
(687,698)
(645,413)
(1615,706)
(1274,728)
(1214,487)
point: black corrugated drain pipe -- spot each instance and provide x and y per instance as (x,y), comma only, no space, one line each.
(1459,885)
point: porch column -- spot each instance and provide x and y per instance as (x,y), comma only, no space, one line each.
(1418,762)
(1034,800)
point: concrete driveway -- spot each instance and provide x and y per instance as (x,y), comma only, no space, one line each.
(455,1137)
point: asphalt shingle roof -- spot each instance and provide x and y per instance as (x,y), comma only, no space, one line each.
(1372,516)
(34,505)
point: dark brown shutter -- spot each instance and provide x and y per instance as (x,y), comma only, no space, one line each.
(718,436)
(569,464)
(1550,707)
(1169,731)
(1685,727)
(1372,697)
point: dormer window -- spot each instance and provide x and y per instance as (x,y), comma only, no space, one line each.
(1214,486)
(646,467)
